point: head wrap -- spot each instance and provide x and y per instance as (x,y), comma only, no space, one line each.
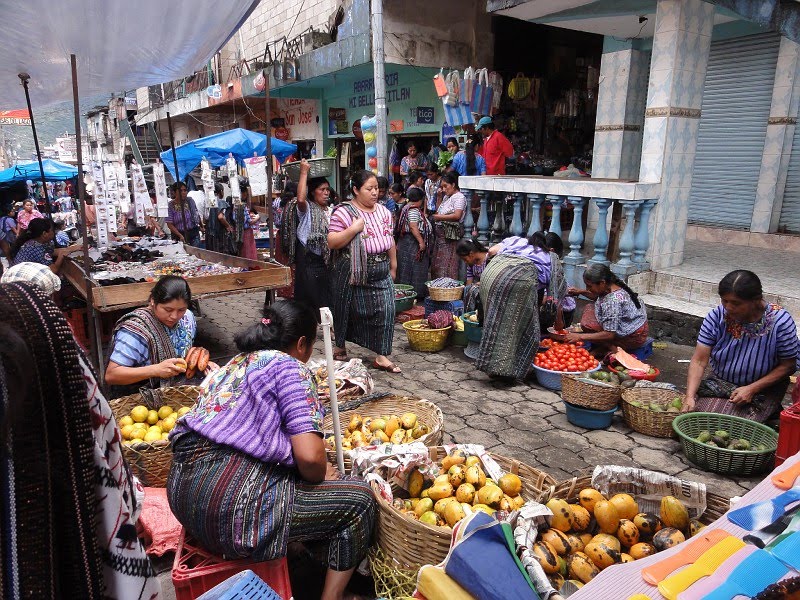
(36,274)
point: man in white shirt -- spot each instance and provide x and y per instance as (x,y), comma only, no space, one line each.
(199,197)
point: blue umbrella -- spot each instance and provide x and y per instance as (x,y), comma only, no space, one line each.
(216,148)
(53,171)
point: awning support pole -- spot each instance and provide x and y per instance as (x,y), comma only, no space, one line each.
(24,77)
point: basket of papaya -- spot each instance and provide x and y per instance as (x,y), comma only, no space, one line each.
(619,515)
(421,501)
(372,421)
(651,410)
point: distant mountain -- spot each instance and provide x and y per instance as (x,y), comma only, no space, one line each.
(51,122)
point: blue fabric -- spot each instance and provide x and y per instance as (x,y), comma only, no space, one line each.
(130,349)
(216,148)
(62,239)
(459,164)
(53,171)
(33,251)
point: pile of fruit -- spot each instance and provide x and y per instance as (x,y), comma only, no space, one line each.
(146,425)
(723,439)
(628,366)
(674,406)
(461,489)
(596,533)
(388,429)
(196,361)
(566,358)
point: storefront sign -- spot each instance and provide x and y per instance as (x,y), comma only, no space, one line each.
(14,117)
(337,121)
(364,91)
(425,115)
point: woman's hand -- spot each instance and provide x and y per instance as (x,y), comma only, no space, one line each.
(358,225)
(743,395)
(332,473)
(574,291)
(305,167)
(169,368)
(572,337)
(688,405)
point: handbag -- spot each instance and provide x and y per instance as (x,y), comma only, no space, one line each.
(458,114)
(453,230)
(440,84)
(520,87)
(482,93)
(467,86)
(453,84)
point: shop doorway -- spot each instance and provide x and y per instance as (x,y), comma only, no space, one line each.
(350,158)
(423,142)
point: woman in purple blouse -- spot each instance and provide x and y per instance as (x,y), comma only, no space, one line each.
(249,471)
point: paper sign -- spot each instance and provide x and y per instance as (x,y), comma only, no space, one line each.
(141,199)
(396,126)
(233,180)
(124,192)
(100,204)
(162,200)
(257,174)
(208,183)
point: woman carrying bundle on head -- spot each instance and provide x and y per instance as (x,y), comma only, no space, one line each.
(414,236)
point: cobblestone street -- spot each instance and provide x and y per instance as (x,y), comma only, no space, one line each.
(523,421)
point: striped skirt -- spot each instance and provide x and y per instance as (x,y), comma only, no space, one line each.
(364,314)
(411,271)
(508,292)
(445,261)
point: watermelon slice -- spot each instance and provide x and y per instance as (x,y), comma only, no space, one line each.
(630,362)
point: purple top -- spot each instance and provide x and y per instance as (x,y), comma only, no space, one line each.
(519,247)
(183,220)
(255,404)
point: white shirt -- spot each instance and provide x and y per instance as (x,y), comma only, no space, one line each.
(199,197)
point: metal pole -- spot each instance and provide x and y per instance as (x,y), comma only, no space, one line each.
(268,133)
(24,77)
(93,349)
(380,86)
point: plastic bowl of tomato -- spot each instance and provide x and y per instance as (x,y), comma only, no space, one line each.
(560,359)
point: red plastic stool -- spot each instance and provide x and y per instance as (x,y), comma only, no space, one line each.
(195,571)
(788,433)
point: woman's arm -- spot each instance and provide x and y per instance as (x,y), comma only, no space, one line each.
(414,228)
(697,366)
(175,232)
(221,218)
(120,375)
(309,454)
(600,336)
(453,216)
(302,186)
(744,394)
(339,239)
(61,254)
(494,250)
(393,261)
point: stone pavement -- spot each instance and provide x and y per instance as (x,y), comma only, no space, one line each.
(522,421)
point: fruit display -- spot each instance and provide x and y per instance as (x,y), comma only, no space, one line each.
(722,439)
(196,361)
(673,406)
(566,358)
(461,488)
(387,429)
(458,323)
(597,532)
(143,425)
(627,366)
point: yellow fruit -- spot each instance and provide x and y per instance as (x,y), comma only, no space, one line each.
(183,410)
(419,430)
(423,506)
(605,539)
(165,436)
(507,503)
(585,537)
(142,426)
(408,420)
(695,527)
(398,437)
(473,460)
(355,422)
(382,437)
(155,429)
(588,497)
(152,417)
(490,495)
(626,506)
(559,541)
(627,533)
(563,519)
(482,507)
(126,431)
(581,567)
(575,542)
(431,518)
(648,525)
(164,412)
(519,502)
(440,505)
(465,492)
(453,513)
(424,493)
(168,425)
(581,517)
(674,513)
(440,490)
(625,558)
(377,424)
(415,481)
(606,516)
(152,436)
(546,556)
(392,425)
(642,550)
(476,476)
(510,484)
(139,414)
(601,555)
(457,475)
(126,420)
(668,538)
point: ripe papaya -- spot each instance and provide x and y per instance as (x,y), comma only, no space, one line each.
(581,567)
(674,513)
(606,516)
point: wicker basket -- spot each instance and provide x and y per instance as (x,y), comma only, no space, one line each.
(320,167)
(445,294)
(643,420)
(722,460)
(587,395)
(568,490)
(427,413)
(412,544)
(426,340)
(151,462)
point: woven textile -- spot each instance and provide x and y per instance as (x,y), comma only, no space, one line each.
(445,261)
(35,273)
(412,268)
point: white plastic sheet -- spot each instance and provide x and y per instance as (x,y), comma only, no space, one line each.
(119,44)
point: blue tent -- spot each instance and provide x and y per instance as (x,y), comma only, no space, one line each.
(216,148)
(53,171)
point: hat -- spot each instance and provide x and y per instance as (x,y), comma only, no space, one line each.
(484,121)
(35,274)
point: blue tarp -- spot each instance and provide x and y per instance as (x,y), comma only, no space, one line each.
(216,148)
(53,171)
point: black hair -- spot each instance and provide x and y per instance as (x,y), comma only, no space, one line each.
(467,246)
(171,287)
(454,140)
(289,192)
(599,272)
(398,188)
(411,145)
(178,185)
(537,240)
(359,178)
(35,229)
(314,183)
(415,194)
(414,175)
(287,322)
(58,225)
(433,168)
(554,243)
(743,284)
(383,183)
(469,152)
(218,189)
(451,177)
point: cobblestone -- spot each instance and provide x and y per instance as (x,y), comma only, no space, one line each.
(522,421)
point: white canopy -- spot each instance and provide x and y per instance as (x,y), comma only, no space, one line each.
(119,44)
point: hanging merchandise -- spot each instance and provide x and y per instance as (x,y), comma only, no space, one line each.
(141,199)
(257,174)
(100,204)
(123,192)
(160,184)
(208,183)
(440,83)
(467,86)
(233,180)
(453,85)
(520,87)
(461,114)
(496,82)
(482,93)
(368,127)
(111,225)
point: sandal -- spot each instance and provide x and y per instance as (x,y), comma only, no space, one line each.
(390,368)
(341,356)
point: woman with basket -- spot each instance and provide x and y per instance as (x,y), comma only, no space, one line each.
(414,235)
(449,228)
(249,471)
(752,348)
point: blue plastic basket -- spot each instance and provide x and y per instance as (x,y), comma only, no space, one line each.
(552,379)
(588,418)
(242,586)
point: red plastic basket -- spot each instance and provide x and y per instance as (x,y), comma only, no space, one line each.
(788,434)
(195,571)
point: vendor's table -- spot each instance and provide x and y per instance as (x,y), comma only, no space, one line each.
(625,580)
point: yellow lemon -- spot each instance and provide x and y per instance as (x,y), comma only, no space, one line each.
(139,414)
(138,433)
(126,420)
(165,436)
(183,410)
(156,429)
(164,412)
(169,424)
(126,431)
(152,436)
(152,417)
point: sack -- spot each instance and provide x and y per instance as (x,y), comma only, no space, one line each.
(458,114)
(453,85)
(440,84)
(467,86)
(482,94)
(453,230)
(520,87)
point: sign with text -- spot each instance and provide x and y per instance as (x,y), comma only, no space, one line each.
(14,117)
(337,121)
(425,115)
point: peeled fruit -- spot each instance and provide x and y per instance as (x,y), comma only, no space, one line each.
(164,412)
(674,513)
(648,524)
(581,567)
(601,555)
(440,490)
(440,505)
(668,538)
(465,492)
(510,484)
(476,476)
(430,518)
(453,513)
(558,540)
(606,516)
(415,481)
(588,497)
(491,495)
(625,504)
(408,420)
(377,424)
(139,414)
(580,516)
(627,533)
(642,550)
(457,474)
(563,520)
(546,556)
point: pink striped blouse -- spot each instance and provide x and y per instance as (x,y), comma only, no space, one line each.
(377,235)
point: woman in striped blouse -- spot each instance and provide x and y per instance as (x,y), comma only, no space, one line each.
(752,347)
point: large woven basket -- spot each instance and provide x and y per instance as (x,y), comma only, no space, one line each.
(320,167)
(151,462)
(412,544)
(643,420)
(587,395)
(568,490)
(426,340)
(427,412)
(445,294)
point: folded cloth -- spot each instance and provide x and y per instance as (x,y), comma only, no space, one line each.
(162,530)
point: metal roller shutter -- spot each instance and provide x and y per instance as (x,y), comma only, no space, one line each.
(733,126)
(790,209)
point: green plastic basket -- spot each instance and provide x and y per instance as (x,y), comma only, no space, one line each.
(406,302)
(723,460)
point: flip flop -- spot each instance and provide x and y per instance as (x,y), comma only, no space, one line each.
(340,356)
(390,368)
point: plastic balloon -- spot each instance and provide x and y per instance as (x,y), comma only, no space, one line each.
(373,162)
(375,170)
(372,151)
(369,137)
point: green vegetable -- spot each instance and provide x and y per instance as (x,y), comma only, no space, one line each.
(721,433)
(704,436)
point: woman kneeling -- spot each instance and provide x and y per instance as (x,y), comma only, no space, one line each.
(249,471)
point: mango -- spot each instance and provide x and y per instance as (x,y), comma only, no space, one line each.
(510,484)
(580,516)
(642,550)
(408,420)
(482,507)
(439,491)
(607,540)
(581,567)
(627,533)
(601,555)
(355,422)
(398,437)
(648,525)
(476,476)
(431,518)
(588,497)
(453,513)
(667,538)
(457,475)
(563,519)
(490,495)
(377,424)
(392,425)
(546,556)
(473,460)
(440,505)
(465,492)
(423,506)
(626,506)
(415,481)
(559,541)
(674,513)
(606,516)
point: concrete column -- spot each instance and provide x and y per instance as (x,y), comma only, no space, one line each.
(778,143)
(681,45)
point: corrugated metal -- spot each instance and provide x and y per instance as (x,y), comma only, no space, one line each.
(733,126)
(790,210)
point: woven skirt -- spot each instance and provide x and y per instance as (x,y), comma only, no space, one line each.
(445,261)
(411,271)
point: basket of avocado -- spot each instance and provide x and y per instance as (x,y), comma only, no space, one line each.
(651,410)
(596,390)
